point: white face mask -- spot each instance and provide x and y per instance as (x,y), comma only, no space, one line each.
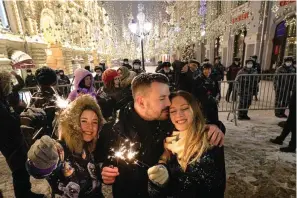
(249,65)
(288,64)
(136,66)
(126,62)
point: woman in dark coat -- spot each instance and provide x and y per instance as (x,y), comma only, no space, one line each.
(190,166)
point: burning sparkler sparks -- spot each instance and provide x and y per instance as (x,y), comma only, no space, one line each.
(61,102)
(127,153)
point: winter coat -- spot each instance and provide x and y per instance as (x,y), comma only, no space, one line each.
(207,92)
(112,100)
(138,71)
(12,144)
(170,76)
(31,81)
(247,84)
(127,77)
(46,100)
(64,90)
(79,75)
(187,80)
(285,83)
(257,66)
(75,172)
(14,97)
(205,178)
(218,72)
(98,81)
(148,137)
(232,71)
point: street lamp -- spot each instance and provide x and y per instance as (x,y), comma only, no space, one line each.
(140,29)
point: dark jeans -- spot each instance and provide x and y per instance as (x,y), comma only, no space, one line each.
(244,103)
(290,126)
(282,99)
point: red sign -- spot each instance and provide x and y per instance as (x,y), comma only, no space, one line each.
(240,17)
(284,3)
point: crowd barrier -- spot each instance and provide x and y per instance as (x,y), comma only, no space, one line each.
(273,92)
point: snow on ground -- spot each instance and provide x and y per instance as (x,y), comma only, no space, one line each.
(255,167)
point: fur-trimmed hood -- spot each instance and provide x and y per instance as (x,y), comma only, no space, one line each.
(127,76)
(69,123)
(5,84)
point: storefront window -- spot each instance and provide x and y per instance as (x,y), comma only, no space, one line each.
(284,42)
(239,45)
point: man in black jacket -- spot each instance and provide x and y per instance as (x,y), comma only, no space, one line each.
(232,71)
(145,123)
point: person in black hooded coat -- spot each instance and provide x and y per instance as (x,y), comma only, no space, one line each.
(12,142)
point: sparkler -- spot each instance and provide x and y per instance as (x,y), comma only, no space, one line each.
(127,154)
(61,102)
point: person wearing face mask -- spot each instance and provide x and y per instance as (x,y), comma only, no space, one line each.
(207,93)
(283,86)
(169,73)
(126,63)
(83,84)
(111,97)
(63,80)
(246,86)
(70,159)
(98,77)
(30,80)
(159,67)
(137,66)
(257,67)
(218,70)
(232,71)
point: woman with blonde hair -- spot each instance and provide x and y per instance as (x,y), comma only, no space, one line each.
(196,168)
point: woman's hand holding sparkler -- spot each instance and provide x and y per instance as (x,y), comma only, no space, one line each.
(109,174)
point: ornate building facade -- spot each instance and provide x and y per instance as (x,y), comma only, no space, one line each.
(60,34)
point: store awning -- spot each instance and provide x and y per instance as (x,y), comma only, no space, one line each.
(21,60)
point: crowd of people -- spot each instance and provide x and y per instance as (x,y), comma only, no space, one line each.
(169,117)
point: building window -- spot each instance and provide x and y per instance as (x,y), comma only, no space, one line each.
(3,15)
(239,45)
(284,42)
(238,3)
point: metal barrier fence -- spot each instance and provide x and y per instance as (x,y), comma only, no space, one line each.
(63,90)
(273,92)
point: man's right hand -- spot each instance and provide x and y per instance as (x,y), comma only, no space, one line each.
(109,174)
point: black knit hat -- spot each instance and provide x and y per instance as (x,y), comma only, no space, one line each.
(98,68)
(249,60)
(126,59)
(288,58)
(194,61)
(137,61)
(217,58)
(206,66)
(254,57)
(46,76)
(206,60)
(166,64)
(236,59)
(28,70)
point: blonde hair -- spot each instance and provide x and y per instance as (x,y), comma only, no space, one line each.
(196,140)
